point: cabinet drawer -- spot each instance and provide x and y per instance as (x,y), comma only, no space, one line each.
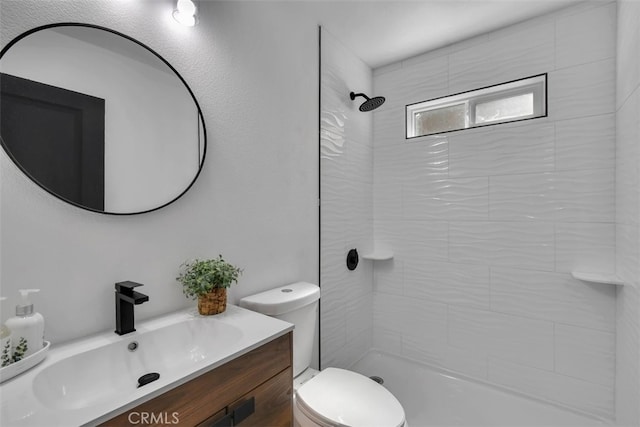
(200,398)
(270,403)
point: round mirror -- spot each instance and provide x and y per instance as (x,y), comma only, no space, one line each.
(98,119)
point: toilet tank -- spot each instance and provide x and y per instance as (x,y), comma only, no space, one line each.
(296,303)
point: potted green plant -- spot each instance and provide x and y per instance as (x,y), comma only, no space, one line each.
(208,280)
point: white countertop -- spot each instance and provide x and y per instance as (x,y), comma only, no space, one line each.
(20,406)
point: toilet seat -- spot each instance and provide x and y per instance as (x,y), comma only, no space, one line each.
(337,397)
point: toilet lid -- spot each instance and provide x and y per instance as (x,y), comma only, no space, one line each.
(345,398)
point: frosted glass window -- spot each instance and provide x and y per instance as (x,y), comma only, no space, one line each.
(507,102)
(504,109)
(441,119)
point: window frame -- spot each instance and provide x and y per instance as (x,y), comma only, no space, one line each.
(537,85)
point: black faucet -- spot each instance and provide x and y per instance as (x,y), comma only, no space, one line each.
(126,298)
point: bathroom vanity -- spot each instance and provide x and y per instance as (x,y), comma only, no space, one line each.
(254,390)
(234,368)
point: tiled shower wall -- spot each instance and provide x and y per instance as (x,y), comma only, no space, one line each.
(346,211)
(486,225)
(628,214)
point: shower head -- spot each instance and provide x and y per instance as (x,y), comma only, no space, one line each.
(370,103)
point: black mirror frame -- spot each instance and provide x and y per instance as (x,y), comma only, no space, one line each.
(98,27)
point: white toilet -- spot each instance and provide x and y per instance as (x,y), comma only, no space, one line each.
(332,397)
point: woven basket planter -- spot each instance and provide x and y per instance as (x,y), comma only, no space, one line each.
(213,302)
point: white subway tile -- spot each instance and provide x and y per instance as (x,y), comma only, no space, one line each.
(585,354)
(358,283)
(358,317)
(555,297)
(503,59)
(333,269)
(388,165)
(340,115)
(514,338)
(587,196)
(502,149)
(627,154)
(387,160)
(450,199)
(454,284)
(576,40)
(358,233)
(586,143)
(388,313)
(627,356)
(343,198)
(407,316)
(387,234)
(389,127)
(388,277)
(425,319)
(348,354)
(628,46)
(332,140)
(628,253)
(420,241)
(425,158)
(385,340)
(582,90)
(414,83)
(387,199)
(512,244)
(412,160)
(353,161)
(585,247)
(523,197)
(333,332)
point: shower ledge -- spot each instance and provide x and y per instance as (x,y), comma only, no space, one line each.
(378,255)
(607,278)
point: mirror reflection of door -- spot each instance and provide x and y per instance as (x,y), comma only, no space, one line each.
(149,135)
(57,135)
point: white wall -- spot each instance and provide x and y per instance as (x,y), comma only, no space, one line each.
(346,205)
(253,68)
(628,214)
(487,224)
(151,133)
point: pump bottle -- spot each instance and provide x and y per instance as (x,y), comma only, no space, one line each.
(26,327)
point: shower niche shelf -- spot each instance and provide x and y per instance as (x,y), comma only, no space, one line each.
(378,255)
(609,279)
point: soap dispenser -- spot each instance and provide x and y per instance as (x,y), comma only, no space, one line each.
(27,328)
(5,343)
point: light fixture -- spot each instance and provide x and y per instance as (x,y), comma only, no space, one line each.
(185,12)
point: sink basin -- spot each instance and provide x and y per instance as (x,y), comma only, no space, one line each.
(91,380)
(112,370)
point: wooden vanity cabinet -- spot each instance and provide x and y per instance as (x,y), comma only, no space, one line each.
(255,389)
